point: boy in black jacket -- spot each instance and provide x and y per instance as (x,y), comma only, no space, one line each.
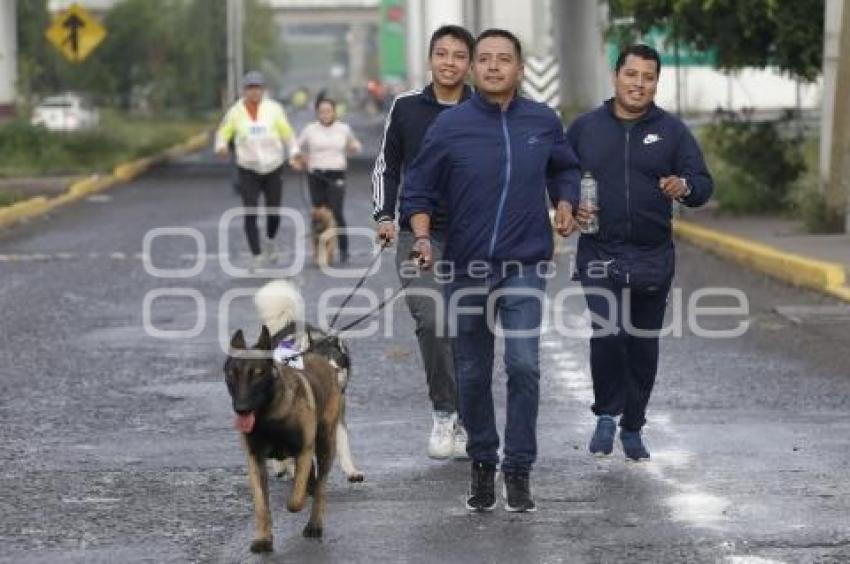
(410,116)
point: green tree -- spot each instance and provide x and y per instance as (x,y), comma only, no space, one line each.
(202,57)
(166,56)
(751,33)
(138,52)
(37,66)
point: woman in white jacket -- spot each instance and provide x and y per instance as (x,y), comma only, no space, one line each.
(260,132)
(326,144)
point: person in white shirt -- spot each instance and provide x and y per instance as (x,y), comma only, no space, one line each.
(259,132)
(326,145)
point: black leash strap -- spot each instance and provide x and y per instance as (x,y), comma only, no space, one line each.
(335,333)
(380,306)
(360,283)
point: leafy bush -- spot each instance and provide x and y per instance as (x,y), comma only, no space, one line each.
(808,203)
(754,164)
(32,151)
(7,198)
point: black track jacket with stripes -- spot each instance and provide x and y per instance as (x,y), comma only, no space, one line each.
(409,118)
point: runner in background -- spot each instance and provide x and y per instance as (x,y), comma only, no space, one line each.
(326,144)
(259,130)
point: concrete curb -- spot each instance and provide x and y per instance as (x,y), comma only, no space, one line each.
(122,173)
(821,276)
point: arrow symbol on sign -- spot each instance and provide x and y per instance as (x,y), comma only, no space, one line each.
(73,24)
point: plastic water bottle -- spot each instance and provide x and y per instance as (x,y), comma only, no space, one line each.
(589,198)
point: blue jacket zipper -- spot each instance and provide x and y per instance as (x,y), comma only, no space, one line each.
(505,187)
(628,193)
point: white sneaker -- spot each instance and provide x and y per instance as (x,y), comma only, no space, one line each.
(459,443)
(270,251)
(258,263)
(441,443)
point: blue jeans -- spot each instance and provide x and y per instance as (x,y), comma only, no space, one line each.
(473,355)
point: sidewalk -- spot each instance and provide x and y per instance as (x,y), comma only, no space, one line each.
(776,246)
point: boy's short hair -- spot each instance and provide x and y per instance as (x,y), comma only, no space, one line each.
(456,31)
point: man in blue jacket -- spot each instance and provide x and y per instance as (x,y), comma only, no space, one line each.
(412,113)
(491,160)
(643,159)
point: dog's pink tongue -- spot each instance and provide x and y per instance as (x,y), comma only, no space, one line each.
(244,423)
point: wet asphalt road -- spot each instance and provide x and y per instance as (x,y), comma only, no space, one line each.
(118,446)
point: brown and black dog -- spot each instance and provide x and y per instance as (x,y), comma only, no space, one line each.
(324,235)
(284,412)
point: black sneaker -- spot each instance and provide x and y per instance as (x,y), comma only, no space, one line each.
(602,443)
(633,446)
(482,489)
(518,493)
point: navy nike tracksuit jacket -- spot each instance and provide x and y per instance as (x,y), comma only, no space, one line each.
(634,215)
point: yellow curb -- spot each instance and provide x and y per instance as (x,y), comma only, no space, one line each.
(24,209)
(132,169)
(194,143)
(91,185)
(800,271)
(842,293)
(123,172)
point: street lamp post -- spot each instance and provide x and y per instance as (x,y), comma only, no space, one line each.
(235,56)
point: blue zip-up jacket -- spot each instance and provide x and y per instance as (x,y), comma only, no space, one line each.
(634,215)
(493,168)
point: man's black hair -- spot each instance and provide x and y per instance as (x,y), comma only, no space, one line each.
(325,100)
(456,31)
(643,51)
(496,32)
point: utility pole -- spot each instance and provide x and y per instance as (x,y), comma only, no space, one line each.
(839,174)
(423,17)
(579,44)
(8,57)
(235,43)
(835,113)
(472,16)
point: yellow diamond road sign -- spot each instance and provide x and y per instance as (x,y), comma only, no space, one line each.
(75,33)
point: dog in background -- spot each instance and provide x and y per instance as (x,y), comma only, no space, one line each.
(280,307)
(324,235)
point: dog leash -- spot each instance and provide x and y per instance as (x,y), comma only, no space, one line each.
(335,333)
(359,284)
(377,309)
(305,192)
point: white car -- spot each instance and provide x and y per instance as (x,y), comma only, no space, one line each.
(67,112)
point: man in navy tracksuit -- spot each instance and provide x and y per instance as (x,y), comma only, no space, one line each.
(450,54)
(492,160)
(643,159)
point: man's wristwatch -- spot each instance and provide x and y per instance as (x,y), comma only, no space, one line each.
(687,190)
